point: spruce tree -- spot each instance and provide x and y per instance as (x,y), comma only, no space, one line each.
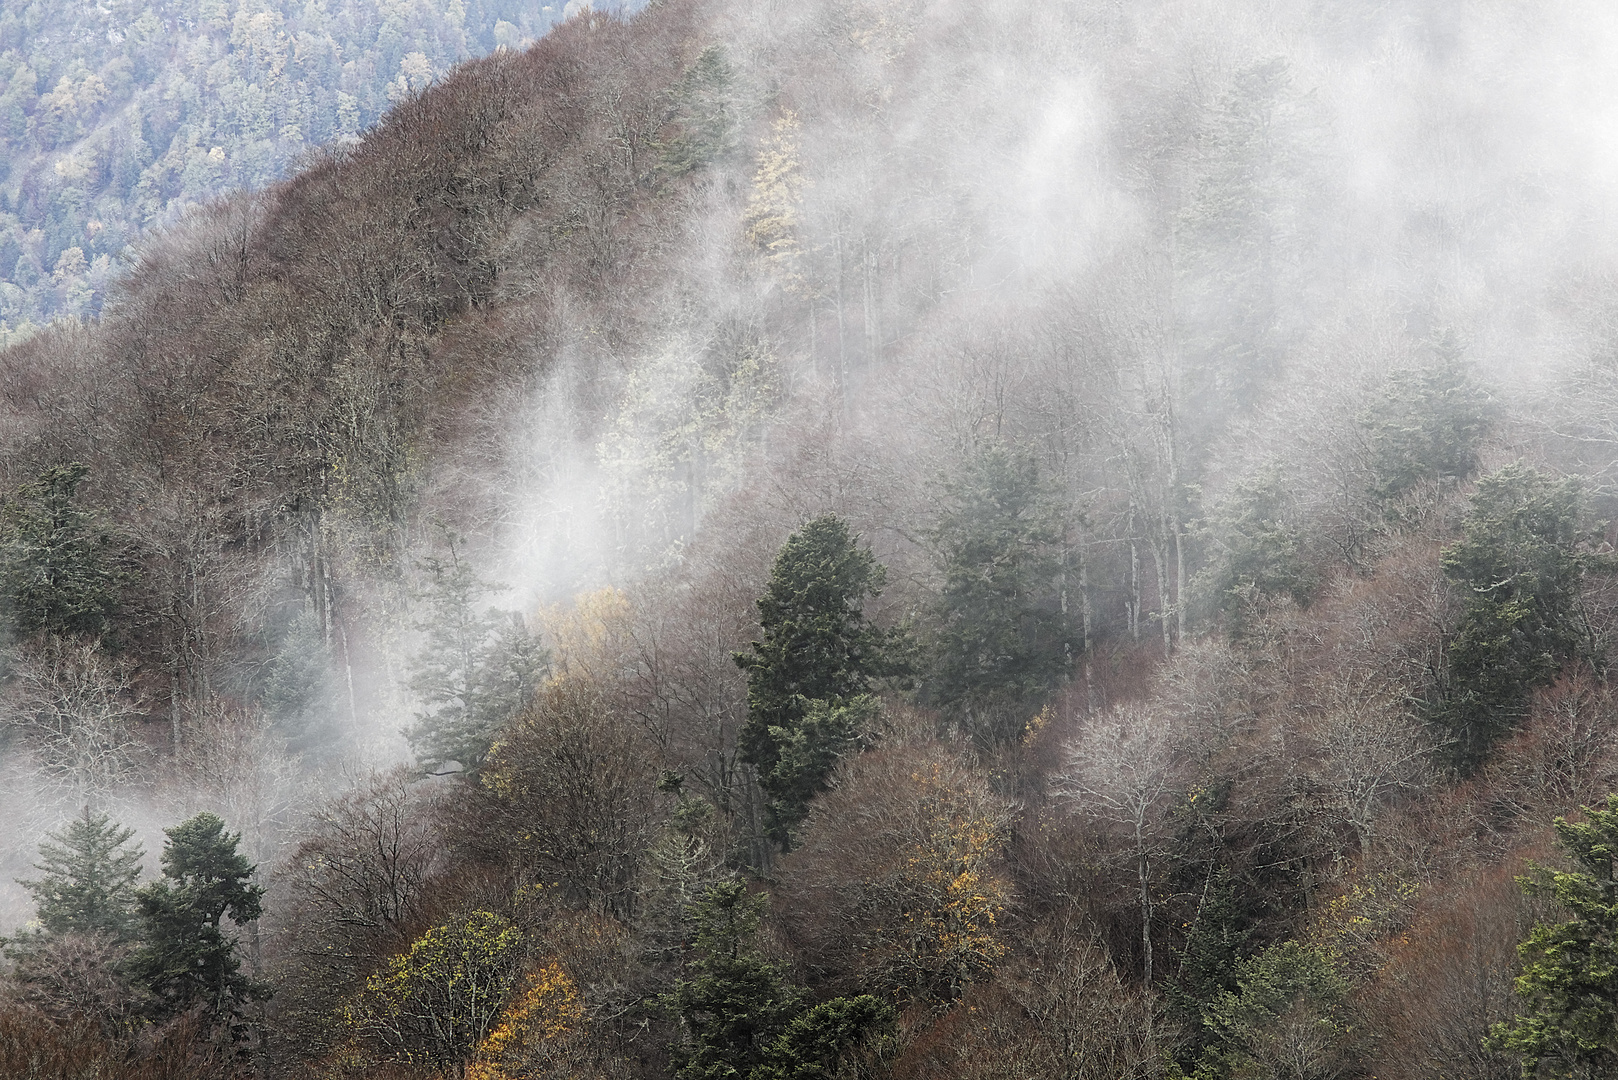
(1257,551)
(475,671)
(733,1003)
(1519,567)
(740,1016)
(186,958)
(299,693)
(809,675)
(1238,233)
(1214,948)
(1290,1004)
(57,571)
(704,120)
(1000,641)
(88,879)
(815,1041)
(1569,982)
(1426,425)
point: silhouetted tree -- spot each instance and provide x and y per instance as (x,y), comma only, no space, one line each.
(185,957)
(808,678)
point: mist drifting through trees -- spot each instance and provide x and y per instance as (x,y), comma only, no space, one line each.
(835,538)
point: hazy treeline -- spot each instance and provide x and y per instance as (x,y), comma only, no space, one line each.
(902,540)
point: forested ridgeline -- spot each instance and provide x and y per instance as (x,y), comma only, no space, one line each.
(115,118)
(840,539)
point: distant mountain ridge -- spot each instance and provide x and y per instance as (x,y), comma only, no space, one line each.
(116,117)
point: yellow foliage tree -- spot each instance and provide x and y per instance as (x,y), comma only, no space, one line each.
(590,636)
(951,932)
(545,1011)
(436,1004)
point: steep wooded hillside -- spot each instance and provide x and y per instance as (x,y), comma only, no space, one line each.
(905,540)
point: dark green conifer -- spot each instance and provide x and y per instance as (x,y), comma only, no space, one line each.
(475,672)
(809,676)
(704,118)
(298,693)
(57,570)
(1569,982)
(733,1003)
(185,958)
(1426,425)
(88,876)
(1000,642)
(1256,552)
(1209,962)
(818,1038)
(1519,567)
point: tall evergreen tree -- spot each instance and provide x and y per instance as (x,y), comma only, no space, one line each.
(1215,945)
(1000,642)
(1569,982)
(704,119)
(299,693)
(88,875)
(475,671)
(740,1016)
(813,1043)
(809,675)
(1257,551)
(57,569)
(1520,567)
(1426,425)
(1241,235)
(186,958)
(1290,1014)
(733,1003)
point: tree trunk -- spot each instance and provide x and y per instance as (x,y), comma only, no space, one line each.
(1159,558)
(1145,903)
(174,711)
(842,336)
(348,671)
(1134,576)
(1084,619)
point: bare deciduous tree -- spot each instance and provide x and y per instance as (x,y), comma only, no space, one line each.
(573,788)
(1370,750)
(77,706)
(898,880)
(1057,1010)
(1120,771)
(365,866)
(353,893)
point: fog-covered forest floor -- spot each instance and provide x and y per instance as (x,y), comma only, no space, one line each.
(818,539)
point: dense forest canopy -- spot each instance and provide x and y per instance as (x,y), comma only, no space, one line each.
(833,538)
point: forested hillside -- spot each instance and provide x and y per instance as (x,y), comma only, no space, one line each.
(838,539)
(116,118)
